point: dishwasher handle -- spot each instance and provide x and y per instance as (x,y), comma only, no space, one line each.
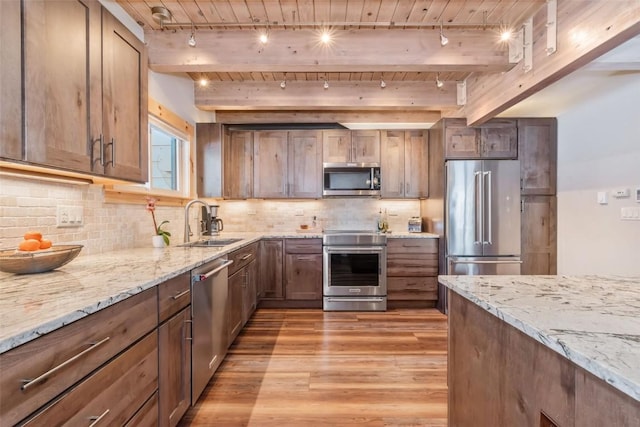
(205,276)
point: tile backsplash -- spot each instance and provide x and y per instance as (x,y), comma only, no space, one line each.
(28,204)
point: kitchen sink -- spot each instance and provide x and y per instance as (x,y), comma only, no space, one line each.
(210,242)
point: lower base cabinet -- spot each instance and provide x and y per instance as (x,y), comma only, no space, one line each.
(303,269)
(412,272)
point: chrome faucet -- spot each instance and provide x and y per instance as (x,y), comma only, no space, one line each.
(187,229)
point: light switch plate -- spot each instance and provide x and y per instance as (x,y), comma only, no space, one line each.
(602,197)
(70,216)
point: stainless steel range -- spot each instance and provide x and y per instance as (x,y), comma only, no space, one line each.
(354,270)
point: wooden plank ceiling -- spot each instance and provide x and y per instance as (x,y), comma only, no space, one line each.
(395,41)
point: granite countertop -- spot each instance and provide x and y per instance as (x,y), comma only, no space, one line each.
(594,321)
(35,304)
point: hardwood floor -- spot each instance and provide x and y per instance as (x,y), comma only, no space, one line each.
(306,367)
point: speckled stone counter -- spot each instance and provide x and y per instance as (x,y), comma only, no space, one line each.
(593,321)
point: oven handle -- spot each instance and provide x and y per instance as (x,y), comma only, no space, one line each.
(354,249)
(374,299)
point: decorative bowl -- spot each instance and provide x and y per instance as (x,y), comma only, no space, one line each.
(22,262)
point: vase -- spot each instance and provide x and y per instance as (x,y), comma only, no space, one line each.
(157,241)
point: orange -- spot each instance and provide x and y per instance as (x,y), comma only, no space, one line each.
(45,244)
(29,245)
(36,235)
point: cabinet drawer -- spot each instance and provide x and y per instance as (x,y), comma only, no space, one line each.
(412,264)
(64,356)
(242,257)
(173,296)
(429,246)
(303,246)
(147,415)
(412,288)
(114,393)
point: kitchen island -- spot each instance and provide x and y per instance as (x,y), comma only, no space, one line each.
(543,350)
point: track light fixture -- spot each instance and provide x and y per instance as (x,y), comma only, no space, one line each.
(264,37)
(283,84)
(383,84)
(204,82)
(326,84)
(443,39)
(439,83)
(192,40)
(325,37)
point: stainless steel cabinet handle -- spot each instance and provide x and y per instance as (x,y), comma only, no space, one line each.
(247,256)
(400,188)
(112,162)
(99,140)
(31,382)
(188,338)
(407,187)
(181,294)
(205,276)
(97,419)
(488,236)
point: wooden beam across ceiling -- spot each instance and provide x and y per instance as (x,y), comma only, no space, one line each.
(585,31)
(312,95)
(350,51)
(327,116)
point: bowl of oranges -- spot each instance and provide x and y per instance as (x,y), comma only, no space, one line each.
(36,254)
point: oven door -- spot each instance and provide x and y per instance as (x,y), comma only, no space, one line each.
(355,271)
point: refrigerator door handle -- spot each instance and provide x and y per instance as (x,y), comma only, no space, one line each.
(479,208)
(488,235)
(486,262)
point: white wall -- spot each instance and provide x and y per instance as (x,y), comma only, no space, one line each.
(176,92)
(599,150)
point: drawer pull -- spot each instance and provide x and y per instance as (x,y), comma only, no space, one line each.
(181,294)
(29,383)
(247,256)
(96,420)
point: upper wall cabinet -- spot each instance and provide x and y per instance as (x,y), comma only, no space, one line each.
(85,90)
(537,139)
(237,180)
(342,146)
(270,164)
(10,77)
(496,139)
(305,164)
(404,164)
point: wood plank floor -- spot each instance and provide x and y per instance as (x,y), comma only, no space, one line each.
(306,367)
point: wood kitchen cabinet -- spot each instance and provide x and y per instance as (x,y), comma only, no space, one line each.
(538,235)
(412,272)
(242,294)
(303,269)
(287,164)
(10,77)
(237,179)
(105,334)
(270,266)
(342,146)
(496,139)
(405,164)
(537,139)
(174,349)
(85,96)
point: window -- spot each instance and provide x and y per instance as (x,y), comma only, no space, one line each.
(168,156)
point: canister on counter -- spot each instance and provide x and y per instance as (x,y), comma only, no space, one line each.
(415,224)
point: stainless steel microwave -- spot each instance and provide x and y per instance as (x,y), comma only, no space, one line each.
(351,179)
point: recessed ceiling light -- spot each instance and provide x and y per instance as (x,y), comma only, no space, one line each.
(203,82)
(264,38)
(325,37)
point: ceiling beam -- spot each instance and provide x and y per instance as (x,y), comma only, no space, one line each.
(585,31)
(349,51)
(330,116)
(252,95)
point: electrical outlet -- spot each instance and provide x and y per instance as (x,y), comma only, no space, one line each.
(70,216)
(299,212)
(252,212)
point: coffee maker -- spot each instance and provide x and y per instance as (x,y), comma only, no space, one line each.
(211,225)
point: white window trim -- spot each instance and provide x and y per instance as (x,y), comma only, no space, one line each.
(184,180)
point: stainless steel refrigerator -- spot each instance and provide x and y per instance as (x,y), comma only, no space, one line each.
(482,211)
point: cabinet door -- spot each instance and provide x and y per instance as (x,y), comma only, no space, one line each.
(416,164)
(270,267)
(336,146)
(537,140)
(238,165)
(366,146)
(305,164)
(538,231)
(125,102)
(249,291)
(234,305)
(461,142)
(499,139)
(303,277)
(270,164)
(62,79)
(392,164)
(174,360)
(11,80)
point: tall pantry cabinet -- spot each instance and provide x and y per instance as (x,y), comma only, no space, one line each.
(85,89)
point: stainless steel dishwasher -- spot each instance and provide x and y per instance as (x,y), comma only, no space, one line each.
(208,301)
